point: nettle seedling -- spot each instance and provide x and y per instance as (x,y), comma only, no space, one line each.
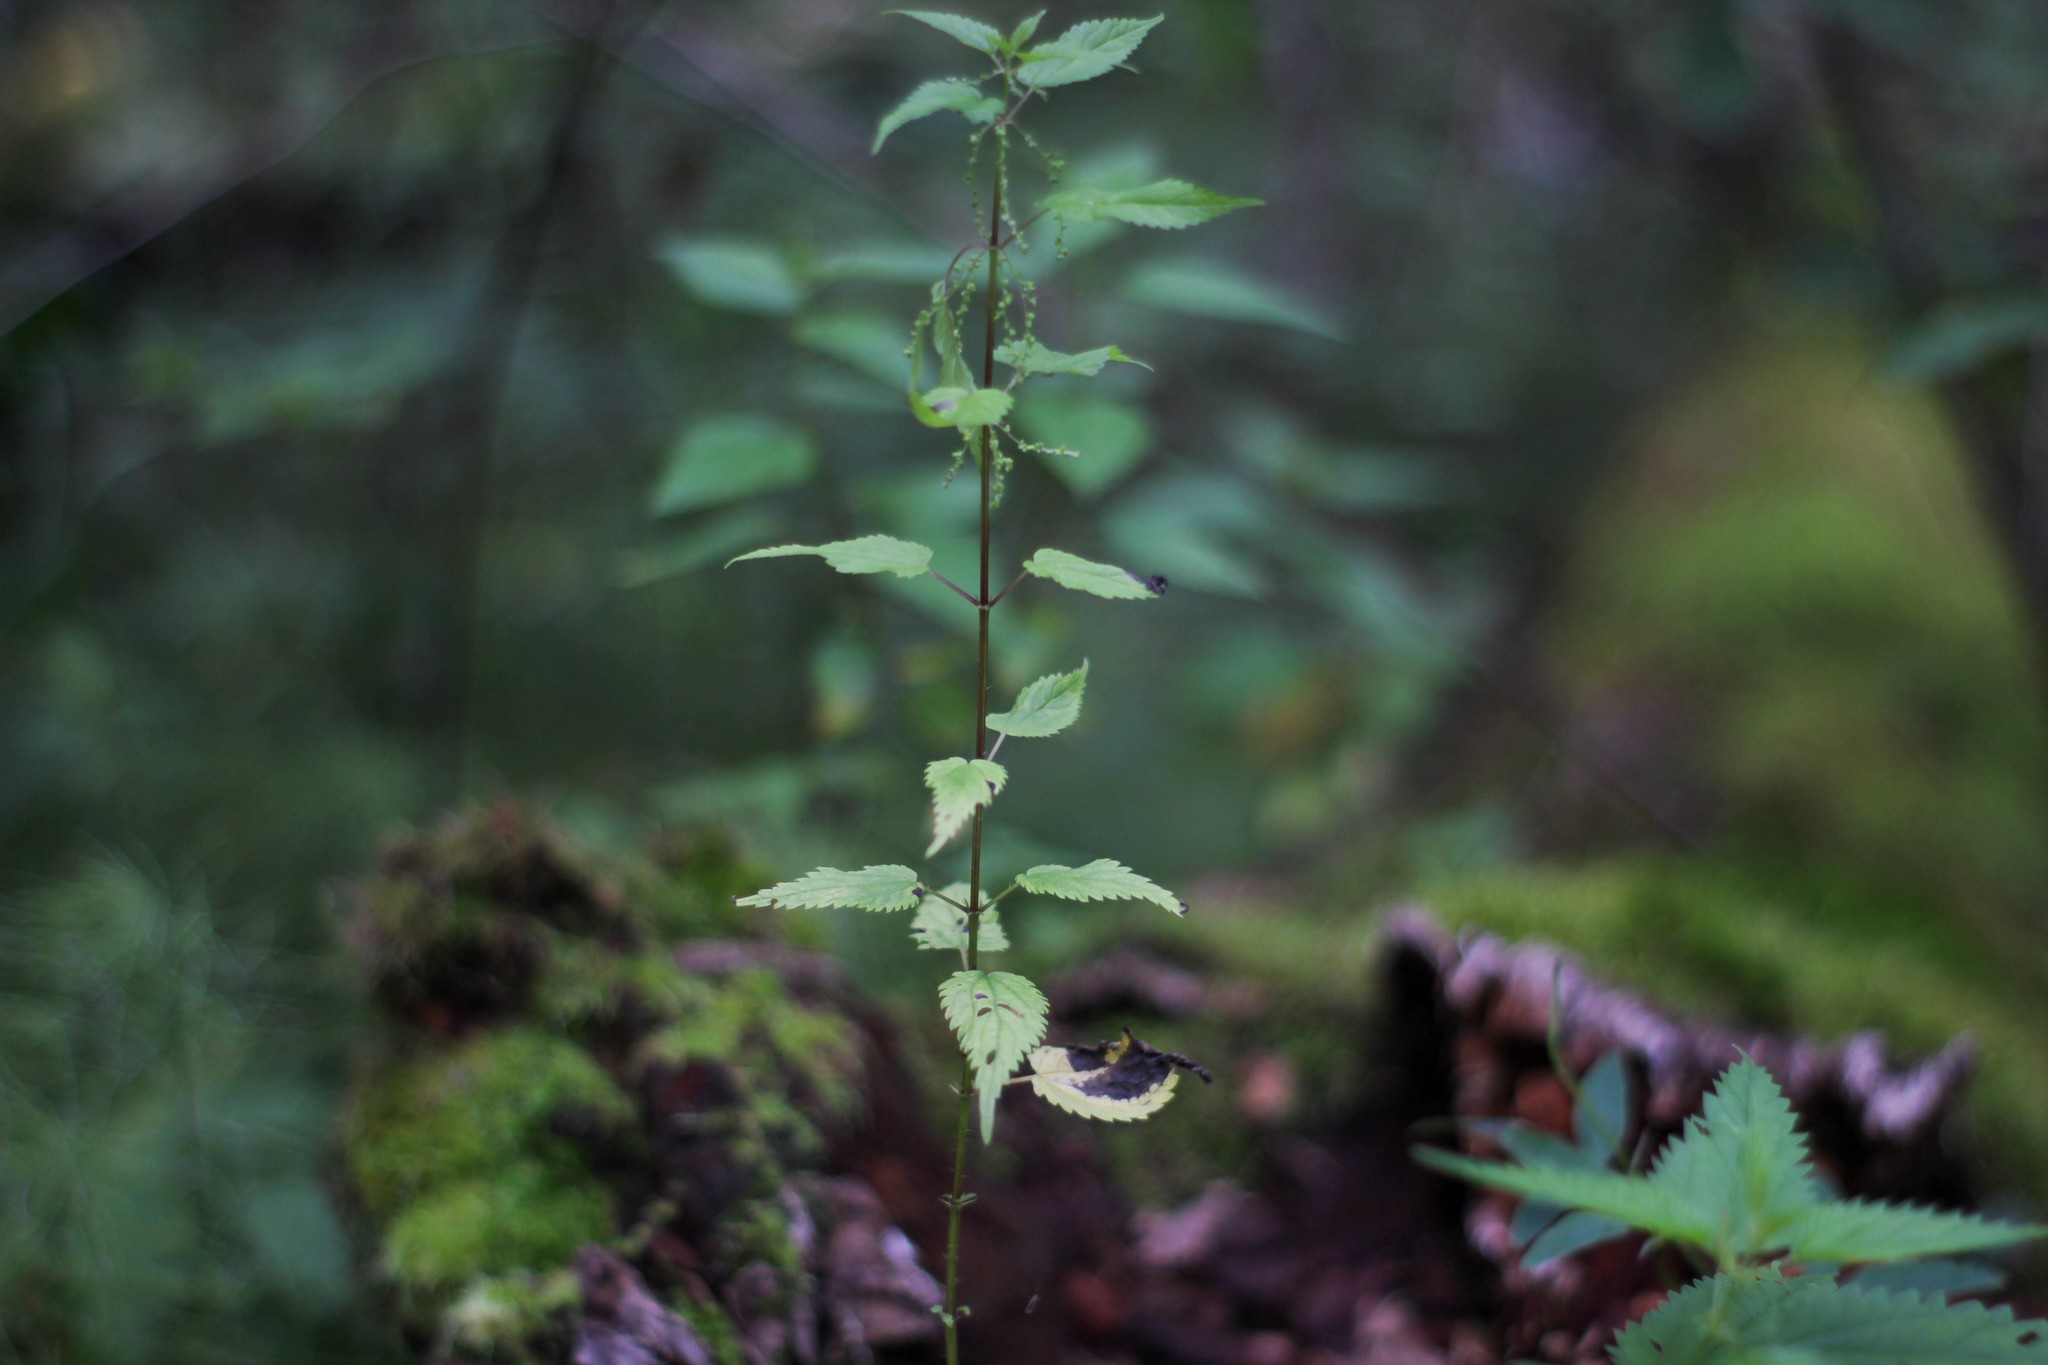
(1788,1271)
(999,1017)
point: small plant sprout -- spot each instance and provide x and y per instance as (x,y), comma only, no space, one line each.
(999,1017)
(1786,1271)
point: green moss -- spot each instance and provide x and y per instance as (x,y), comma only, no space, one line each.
(524,1216)
(500,1317)
(1705,938)
(482,1108)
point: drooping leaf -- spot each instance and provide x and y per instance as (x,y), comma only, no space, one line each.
(887,887)
(1027,357)
(972,32)
(1085,575)
(1965,336)
(960,787)
(687,550)
(943,928)
(1044,707)
(1167,204)
(998,1018)
(1757,1316)
(726,458)
(866,554)
(1211,289)
(1083,52)
(933,97)
(959,407)
(1116,1082)
(1102,880)
(735,274)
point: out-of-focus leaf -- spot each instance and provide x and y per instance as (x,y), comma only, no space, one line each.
(725,458)
(1212,289)
(687,551)
(1110,439)
(884,263)
(733,273)
(934,97)
(1199,532)
(845,675)
(1962,337)
(868,342)
(1169,204)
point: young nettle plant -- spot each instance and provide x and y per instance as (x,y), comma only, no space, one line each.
(1788,1271)
(999,1017)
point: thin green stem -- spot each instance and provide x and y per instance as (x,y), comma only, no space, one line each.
(955,1203)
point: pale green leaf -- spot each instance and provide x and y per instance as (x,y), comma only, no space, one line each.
(1853,1230)
(960,787)
(998,1018)
(887,887)
(1113,1082)
(1085,575)
(1083,52)
(867,554)
(1044,707)
(934,97)
(943,928)
(1212,289)
(884,262)
(1167,204)
(1027,357)
(1026,28)
(736,274)
(723,459)
(958,407)
(1104,439)
(867,342)
(1628,1199)
(1740,1167)
(1759,1317)
(972,32)
(1102,880)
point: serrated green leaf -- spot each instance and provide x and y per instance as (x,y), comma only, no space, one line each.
(1213,289)
(1085,575)
(735,274)
(887,887)
(726,458)
(1169,204)
(943,928)
(1852,1231)
(1102,880)
(1027,357)
(1740,1166)
(960,787)
(957,407)
(998,1018)
(1023,33)
(1757,1317)
(972,32)
(1115,1082)
(934,97)
(1044,707)
(1083,52)
(866,554)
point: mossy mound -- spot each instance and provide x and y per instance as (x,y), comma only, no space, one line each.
(557,1079)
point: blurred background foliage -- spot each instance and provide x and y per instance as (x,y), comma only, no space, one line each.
(1602,491)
